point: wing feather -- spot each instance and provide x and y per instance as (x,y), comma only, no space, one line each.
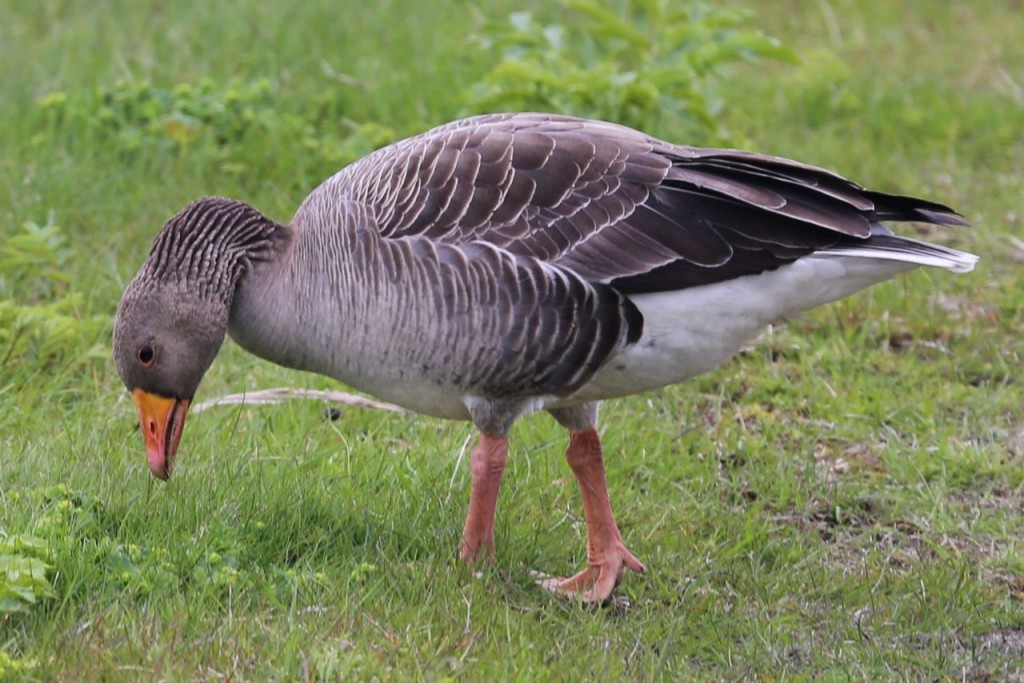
(615,205)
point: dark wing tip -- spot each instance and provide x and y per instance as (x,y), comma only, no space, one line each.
(942,216)
(895,207)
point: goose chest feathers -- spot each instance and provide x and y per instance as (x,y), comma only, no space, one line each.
(505,264)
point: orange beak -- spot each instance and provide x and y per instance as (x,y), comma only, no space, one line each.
(162,420)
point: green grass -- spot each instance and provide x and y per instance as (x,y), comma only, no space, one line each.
(842,501)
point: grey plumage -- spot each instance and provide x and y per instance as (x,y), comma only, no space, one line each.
(496,255)
(512,262)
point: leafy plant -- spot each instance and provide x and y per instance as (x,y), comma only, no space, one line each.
(39,317)
(23,572)
(139,570)
(13,668)
(135,115)
(645,63)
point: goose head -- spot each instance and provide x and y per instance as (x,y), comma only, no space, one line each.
(173,315)
(165,338)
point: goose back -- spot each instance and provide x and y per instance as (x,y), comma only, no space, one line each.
(614,205)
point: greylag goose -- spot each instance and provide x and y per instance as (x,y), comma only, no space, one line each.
(504,264)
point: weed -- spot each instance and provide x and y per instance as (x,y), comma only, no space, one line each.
(230,124)
(41,321)
(644,63)
(23,571)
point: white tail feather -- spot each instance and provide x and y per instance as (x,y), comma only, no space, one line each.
(911,251)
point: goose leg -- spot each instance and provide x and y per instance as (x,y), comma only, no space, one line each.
(607,557)
(487,463)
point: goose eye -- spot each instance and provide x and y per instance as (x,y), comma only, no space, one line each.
(146,356)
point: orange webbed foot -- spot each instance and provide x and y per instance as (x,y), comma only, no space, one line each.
(603,573)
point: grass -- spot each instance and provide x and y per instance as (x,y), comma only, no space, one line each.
(843,501)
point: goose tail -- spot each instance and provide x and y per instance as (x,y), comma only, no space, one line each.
(892,248)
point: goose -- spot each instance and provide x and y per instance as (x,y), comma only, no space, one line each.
(505,264)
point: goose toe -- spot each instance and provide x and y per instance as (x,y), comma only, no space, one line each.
(601,576)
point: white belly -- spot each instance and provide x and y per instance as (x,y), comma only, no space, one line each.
(692,331)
